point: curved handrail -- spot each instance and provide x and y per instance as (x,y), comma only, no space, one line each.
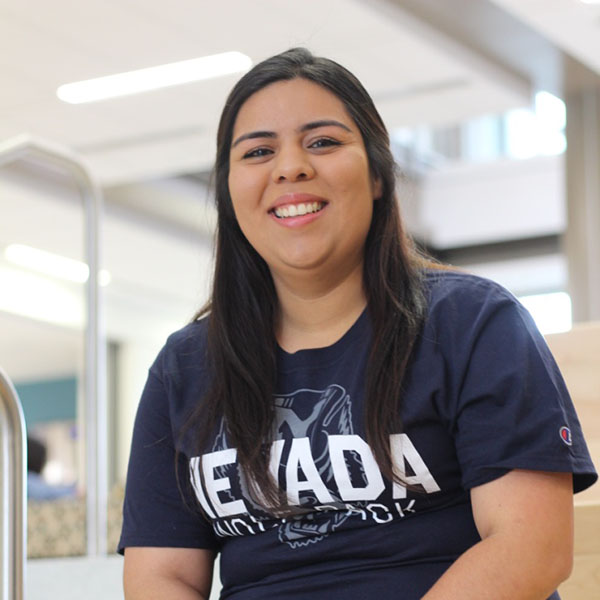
(14,497)
(24,147)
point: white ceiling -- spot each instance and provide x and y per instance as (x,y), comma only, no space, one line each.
(572,25)
(415,74)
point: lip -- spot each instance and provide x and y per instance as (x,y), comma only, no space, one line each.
(295,198)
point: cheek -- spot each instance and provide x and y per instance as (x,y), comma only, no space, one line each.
(245,190)
(239,197)
(234,192)
(352,173)
(244,199)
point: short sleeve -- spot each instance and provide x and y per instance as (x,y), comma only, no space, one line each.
(513,410)
(156,511)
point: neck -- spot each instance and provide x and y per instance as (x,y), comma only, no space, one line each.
(314,311)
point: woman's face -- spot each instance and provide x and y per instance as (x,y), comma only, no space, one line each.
(299,179)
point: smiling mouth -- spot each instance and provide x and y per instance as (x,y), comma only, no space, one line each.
(297,210)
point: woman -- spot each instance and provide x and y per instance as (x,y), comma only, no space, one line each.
(353,423)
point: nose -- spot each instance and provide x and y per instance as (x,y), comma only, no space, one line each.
(292,164)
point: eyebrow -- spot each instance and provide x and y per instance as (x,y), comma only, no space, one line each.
(304,128)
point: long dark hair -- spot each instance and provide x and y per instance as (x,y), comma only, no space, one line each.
(243,308)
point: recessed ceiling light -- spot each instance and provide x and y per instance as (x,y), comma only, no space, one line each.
(39,298)
(51,264)
(151,78)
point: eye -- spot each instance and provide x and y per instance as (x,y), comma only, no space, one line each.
(258,153)
(324,143)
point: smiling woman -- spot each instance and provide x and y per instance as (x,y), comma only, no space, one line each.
(344,419)
(301,188)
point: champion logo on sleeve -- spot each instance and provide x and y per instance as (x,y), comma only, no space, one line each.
(565,435)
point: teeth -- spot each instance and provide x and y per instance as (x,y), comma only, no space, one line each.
(294,210)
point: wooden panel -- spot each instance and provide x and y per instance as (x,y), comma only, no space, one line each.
(577,353)
(584,583)
(587,530)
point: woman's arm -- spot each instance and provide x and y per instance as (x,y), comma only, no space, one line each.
(525,520)
(173,573)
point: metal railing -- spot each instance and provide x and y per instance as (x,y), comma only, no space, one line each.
(41,152)
(13,488)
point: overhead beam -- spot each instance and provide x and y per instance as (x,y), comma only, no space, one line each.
(500,37)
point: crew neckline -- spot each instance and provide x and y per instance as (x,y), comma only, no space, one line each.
(326,354)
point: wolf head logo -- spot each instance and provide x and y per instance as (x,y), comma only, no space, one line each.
(314,414)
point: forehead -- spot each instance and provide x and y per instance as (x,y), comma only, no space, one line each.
(289,104)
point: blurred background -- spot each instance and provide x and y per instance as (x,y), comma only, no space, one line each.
(493,107)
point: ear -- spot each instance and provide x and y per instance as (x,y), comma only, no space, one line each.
(377,186)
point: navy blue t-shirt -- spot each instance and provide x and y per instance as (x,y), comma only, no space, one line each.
(482,396)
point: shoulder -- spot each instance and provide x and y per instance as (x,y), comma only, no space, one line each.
(188,338)
(448,285)
(465,310)
(184,349)
(462,296)
(179,375)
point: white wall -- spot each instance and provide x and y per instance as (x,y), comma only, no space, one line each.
(82,577)
(469,204)
(74,578)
